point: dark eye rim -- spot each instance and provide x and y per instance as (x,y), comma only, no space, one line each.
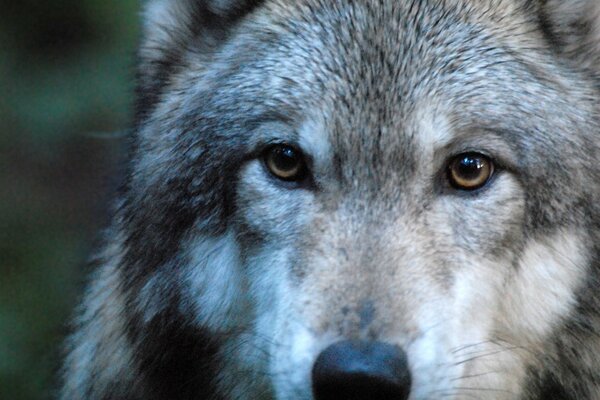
(303,170)
(494,169)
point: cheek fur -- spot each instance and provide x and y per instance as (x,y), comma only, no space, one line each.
(488,221)
(269,208)
(544,287)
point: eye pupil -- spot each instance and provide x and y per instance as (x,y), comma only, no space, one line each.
(285,162)
(470,171)
(470,167)
(285,158)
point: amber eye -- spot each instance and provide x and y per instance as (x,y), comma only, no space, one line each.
(470,171)
(285,162)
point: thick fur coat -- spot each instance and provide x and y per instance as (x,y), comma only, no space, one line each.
(221,281)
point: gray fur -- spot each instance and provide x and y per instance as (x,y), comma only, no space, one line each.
(220,282)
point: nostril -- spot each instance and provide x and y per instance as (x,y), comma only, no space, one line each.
(359,370)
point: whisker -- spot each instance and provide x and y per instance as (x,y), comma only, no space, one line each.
(474,376)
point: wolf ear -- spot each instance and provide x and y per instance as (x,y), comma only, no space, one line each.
(173,28)
(574,25)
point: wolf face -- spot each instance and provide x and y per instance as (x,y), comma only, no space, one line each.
(354,200)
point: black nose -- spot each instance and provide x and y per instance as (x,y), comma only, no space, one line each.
(361,370)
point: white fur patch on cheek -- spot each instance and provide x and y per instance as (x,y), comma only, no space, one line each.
(293,360)
(247,353)
(425,357)
(214,281)
(543,291)
(290,347)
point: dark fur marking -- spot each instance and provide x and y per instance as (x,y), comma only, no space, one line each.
(547,27)
(177,360)
(548,388)
(157,227)
(157,230)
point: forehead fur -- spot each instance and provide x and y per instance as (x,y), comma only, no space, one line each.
(371,69)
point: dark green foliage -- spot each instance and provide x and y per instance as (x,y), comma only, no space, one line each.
(66,80)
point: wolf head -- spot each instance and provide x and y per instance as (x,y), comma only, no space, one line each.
(355,199)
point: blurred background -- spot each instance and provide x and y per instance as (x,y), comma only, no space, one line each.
(66,83)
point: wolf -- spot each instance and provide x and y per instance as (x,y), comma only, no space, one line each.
(354,199)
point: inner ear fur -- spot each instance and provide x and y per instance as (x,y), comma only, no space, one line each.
(574,26)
